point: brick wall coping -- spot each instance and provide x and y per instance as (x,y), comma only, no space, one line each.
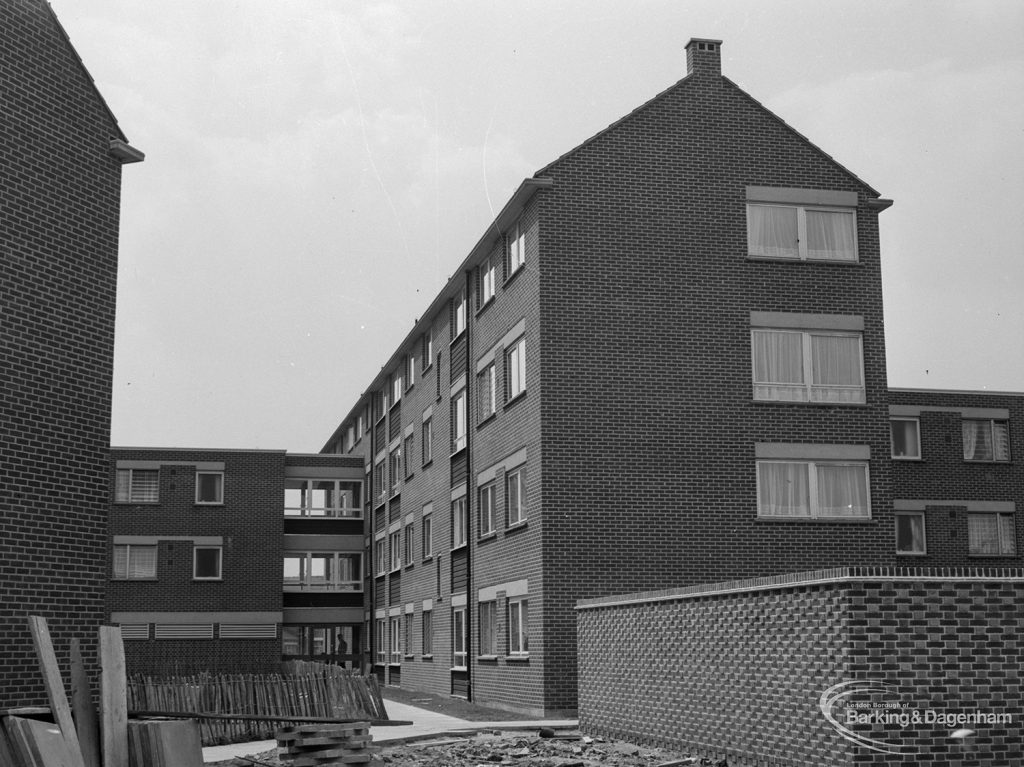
(123,449)
(811,578)
(956,391)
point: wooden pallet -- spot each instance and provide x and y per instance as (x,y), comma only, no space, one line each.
(323,745)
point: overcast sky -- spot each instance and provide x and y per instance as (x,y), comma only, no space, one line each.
(316,170)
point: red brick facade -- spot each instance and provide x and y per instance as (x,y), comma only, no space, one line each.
(60,185)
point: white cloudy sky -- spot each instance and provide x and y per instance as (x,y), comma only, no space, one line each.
(316,169)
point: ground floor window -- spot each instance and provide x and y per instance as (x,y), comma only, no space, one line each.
(320,642)
(459,637)
(518,627)
(910,536)
(991,535)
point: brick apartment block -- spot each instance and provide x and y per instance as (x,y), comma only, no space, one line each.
(667,369)
(61,153)
(232,560)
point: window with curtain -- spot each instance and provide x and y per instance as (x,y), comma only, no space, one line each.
(991,535)
(488,625)
(805,366)
(134,562)
(801,232)
(986,440)
(905,438)
(137,486)
(827,489)
(910,537)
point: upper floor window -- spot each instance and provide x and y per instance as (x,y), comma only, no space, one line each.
(134,562)
(410,371)
(991,535)
(322,571)
(986,440)
(515,368)
(396,388)
(488,272)
(801,232)
(801,366)
(812,489)
(459,313)
(516,243)
(910,535)
(488,496)
(381,555)
(515,496)
(321,498)
(427,440)
(395,544)
(210,487)
(428,351)
(137,486)
(905,436)
(206,563)
(458,421)
(486,392)
(458,522)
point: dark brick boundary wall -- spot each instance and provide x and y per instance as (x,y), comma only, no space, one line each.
(738,669)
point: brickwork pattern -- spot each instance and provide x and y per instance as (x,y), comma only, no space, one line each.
(737,669)
(169,657)
(251,525)
(59,209)
(648,417)
(943,474)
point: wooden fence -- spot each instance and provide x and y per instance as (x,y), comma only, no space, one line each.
(303,689)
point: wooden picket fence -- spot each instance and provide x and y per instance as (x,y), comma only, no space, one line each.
(302,689)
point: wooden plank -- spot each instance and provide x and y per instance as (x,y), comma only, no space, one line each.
(165,743)
(82,708)
(113,698)
(39,744)
(54,685)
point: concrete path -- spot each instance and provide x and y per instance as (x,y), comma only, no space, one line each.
(425,724)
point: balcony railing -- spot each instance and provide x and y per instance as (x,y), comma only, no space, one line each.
(347,512)
(319,585)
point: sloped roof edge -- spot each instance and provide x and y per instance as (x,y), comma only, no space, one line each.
(681,83)
(505,217)
(85,71)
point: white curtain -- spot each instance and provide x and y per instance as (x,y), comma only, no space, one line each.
(842,491)
(772,231)
(910,533)
(836,369)
(1008,532)
(783,489)
(778,366)
(983,533)
(1000,441)
(830,235)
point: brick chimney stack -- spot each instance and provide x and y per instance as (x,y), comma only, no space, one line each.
(704,57)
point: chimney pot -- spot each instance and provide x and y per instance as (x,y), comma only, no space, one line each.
(704,57)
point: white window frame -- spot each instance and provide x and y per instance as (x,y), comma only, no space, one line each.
(305,582)
(409,448)
(488,281)
(427,527)
(459,314)
(1007,543)
(395,624)
(428,352)
(410,545)
(459,650)
(459,421)
(381,548)
(812,489)
(307,507)
(519,630)
(220,488)
(808,388)
(410,371)
(220,563)
(459,532)
(515,368)
(129,495)
(803,252)
(991,431)
(903,515)
(917,438)
(487,501)
(395,475)
(516,248)
(427,448)
(382,641)
(515,513)
(395,547)
(487,624)
(129,548)
(487,392)
(427,634)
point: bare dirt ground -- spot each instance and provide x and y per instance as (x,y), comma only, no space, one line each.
(522,749)
(493,748)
